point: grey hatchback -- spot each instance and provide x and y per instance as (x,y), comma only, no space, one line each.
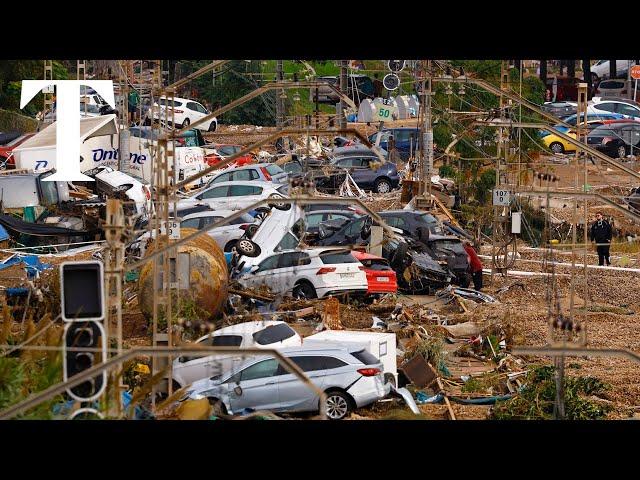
(350,376)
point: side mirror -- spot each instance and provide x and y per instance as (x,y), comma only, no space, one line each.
(238,390)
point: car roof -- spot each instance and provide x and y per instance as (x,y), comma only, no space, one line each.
(335,210)
(256,183)
(242,328)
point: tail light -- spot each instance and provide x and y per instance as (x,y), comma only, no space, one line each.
(324,270)
(606,140)
(265,172)
(369,372)
(244,226)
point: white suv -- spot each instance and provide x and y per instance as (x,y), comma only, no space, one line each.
(308,273)
(628,109)
(186,112)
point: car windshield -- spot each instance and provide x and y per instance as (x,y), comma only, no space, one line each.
(225,341)
(273,334)
(274,169)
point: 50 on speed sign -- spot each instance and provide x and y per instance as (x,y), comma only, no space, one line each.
(501,198)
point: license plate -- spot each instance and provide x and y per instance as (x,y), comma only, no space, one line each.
(382,279)
(347,275)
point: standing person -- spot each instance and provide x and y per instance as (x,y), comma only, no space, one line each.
(601,234)
(133,100)
(475,266)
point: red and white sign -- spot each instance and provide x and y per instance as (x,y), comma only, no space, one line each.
(635,72)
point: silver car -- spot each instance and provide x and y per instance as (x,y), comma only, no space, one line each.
(350,376)
(261,172)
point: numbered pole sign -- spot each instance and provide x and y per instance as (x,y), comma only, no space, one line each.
(174,230)
(501,198)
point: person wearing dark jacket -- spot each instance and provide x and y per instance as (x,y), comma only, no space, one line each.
(475,265)
(601,234)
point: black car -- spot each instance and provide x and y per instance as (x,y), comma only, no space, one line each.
(559,109)
(413,223)
(450,253)
(617,140)
(416,271)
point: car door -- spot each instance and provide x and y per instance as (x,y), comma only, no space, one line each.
(241,196)
(290,268)
(191,369)
(255,387)
(216,197)
(293,393)
(191,111)
(263,275)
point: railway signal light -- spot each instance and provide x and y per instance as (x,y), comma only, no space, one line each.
(84,347)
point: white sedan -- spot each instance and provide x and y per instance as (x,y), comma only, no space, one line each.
(233,195)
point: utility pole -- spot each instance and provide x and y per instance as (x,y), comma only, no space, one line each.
(279,99)
(427,133)
(344,87)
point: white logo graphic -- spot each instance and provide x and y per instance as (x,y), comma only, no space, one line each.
(68,121)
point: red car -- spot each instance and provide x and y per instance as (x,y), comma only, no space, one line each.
(380,276)
(223,151)
(5,150)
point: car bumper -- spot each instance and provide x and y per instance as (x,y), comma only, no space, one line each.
(368,390)
(334,290)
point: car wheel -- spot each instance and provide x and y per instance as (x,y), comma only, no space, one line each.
(337,405)
(556,147)
(383,185)
(304,290)
(247,247)
(213,126)
(622,151)
(186,122)
(229,246)
(217,407)
(280,206)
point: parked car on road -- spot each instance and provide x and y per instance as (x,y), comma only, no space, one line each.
(234,195)
(350,376)
(601,69)
(185,112)
(617,140)
(612,88)
(260,334)
(626,108)
(262,172)
(381,278)
(308,273)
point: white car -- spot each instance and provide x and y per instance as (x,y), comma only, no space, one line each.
(612,88)
(225,236)
(601,68)
(261,334)
(309,273)
(262,172)
(233,195)
(109,181)
(280,229)
(185,112)
(628,109)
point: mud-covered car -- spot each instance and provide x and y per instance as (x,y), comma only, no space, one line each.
(449,252)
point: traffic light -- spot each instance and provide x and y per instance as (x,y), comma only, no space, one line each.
(85,342)
(84,347)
